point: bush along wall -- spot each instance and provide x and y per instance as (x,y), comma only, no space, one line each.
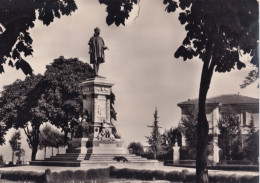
(23,176)
(103,176)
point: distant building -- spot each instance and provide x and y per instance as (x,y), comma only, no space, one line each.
(244,107)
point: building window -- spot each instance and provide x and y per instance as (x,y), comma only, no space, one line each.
(245,118)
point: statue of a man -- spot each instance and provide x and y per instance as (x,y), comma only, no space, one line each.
(96,50)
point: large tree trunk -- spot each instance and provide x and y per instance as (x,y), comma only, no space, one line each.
(45,152)
(12,156)
(34,152)
(201,154)
(66,135)
(203,126)
(33,137)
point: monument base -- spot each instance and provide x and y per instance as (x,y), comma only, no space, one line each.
(85,152)
(101,148)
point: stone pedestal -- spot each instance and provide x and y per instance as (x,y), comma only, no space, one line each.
(96,101)
(215,150)
(96,93)
(176,154)
(108,147)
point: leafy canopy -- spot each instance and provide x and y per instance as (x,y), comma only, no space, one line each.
(21,108)
(218,30)
(136,147)
(63,94)
(19,103)
(16,18)
(50,138)
(14,141)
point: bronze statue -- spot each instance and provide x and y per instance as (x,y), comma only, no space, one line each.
(96,50)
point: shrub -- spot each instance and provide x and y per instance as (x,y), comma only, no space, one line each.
(166,156)
(100,174)
(233,178)
(144,175)
(23,176)
(80,175)
(159,175)
(66,175)
(148,155)
(174,175)
(97,173)
(187,153)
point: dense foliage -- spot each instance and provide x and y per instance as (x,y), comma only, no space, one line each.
(230,136)
(171,138)
(50,138)
(63,96)
(15,143)
(55,97)
(218,32)
(16,18)
(20,108)
(136,148)
(252,146)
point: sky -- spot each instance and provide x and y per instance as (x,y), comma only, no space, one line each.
(139,62)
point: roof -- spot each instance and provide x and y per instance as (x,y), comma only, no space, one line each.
(224,99)
(196,101)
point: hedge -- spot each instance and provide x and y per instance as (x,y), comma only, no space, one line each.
(103,175)
(23,176)
(254,168)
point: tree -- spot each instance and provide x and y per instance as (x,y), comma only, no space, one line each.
(45,138)
(15,143)
(230,135)
(136,147)
(64,95)
(252,76)
(218,32)
(155,139)
(59,141)
(50,138)
(16,18)
(252,143)
(19,153)
(170,137)
(2,132)
(188,127)
(22,108)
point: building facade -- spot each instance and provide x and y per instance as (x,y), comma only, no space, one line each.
(242,106)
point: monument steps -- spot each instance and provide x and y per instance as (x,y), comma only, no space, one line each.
(75,159)
(94,157)
(95,142)
(73,151)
